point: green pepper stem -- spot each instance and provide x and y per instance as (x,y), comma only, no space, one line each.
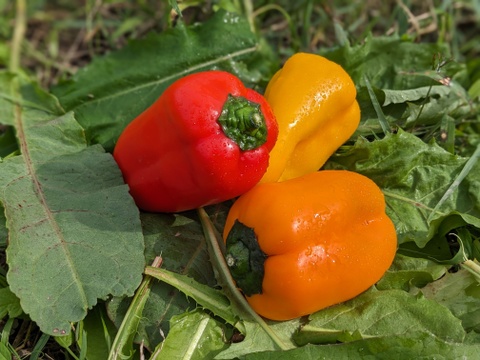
(242,121)
(245,259)
(225,279)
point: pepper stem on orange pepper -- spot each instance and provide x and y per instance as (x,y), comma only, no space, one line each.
(245,259)
(240,304)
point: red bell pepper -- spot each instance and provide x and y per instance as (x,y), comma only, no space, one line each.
(205,140)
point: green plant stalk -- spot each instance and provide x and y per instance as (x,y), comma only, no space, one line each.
(204,295)
(174,5)
(18,35)
(307,24)
(14,63)
(37,350)
(127,330)
(378,108)
(288,18)
(72,354)
(5,336)
(225,279)
(13,352)
(473,267)
(248,8)
(30,51)
(456,183)
(108,339)
(81,340)
(67,341)
(7,328)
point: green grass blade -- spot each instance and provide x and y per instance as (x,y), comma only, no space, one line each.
(37,350)
(451,189)
(122,346)
(378,108)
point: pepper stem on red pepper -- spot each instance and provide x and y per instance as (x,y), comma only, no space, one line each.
(245,259)
(242,121)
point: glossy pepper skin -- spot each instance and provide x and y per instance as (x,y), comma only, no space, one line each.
(206,139)
(319,239)
(314,101)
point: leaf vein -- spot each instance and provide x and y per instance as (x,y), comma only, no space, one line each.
(172,76)
(41,197)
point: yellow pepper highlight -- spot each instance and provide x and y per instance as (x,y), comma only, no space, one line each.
(314,101)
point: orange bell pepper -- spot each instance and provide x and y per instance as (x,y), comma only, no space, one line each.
(301,245)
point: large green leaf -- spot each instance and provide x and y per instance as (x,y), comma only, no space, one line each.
(113,90)
(179,240)
(207,297)
(408,272)
(414,177)
(9,304)
(193,335)
(460,292)
(390,324)
(379,314)
(74,231)
(258,341)
(99,332)
(407,346)
(389,62)
(408,83)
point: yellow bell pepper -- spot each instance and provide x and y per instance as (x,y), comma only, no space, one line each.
(314,101)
